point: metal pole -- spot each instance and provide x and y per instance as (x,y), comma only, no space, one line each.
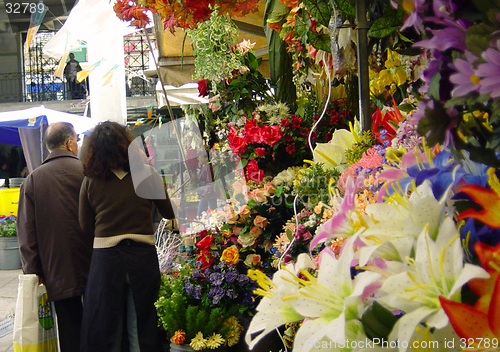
(363,74)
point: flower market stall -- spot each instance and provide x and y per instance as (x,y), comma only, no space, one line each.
(327,234)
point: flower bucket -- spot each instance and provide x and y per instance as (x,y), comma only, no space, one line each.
(10,259)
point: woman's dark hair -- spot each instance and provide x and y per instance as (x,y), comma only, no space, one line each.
(105,149)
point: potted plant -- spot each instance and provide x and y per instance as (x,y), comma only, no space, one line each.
(9,249)
(193,312)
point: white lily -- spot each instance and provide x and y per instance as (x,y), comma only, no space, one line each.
(273,311)
(437,270)
(332,154)
(401,219)
(331,303)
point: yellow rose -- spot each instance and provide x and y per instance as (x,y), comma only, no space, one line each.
(231,255)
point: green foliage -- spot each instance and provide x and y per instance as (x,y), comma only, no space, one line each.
(378,322)
(280,61)
(212,42)
(388,23)
(312,186)
(366,141)
(347,7)
(8,226)
(320,10)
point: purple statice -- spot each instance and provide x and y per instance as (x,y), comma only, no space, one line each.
(490,72)
(216,278)
(231,276)
(242,279)
(197,292)
(465,80)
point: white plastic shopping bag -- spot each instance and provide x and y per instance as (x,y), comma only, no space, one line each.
(33,319)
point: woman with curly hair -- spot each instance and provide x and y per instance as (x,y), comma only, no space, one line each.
(124,279)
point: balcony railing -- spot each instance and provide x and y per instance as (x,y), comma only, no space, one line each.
(27,87)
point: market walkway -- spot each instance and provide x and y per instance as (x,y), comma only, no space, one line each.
(8,296)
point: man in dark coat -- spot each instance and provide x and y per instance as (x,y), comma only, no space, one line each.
(51,242)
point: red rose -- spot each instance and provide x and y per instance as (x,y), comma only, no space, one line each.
(236,143)
(296,122)
(205,242)
(260,152)
(204,259)
(271,134)
(253,171)
(304,131)
(288,138)
(202,88)
(253,134)
(290,149)
(285,122)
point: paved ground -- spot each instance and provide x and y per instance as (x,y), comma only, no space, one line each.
(8,296)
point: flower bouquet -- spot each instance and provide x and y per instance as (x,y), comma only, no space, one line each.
(8,226)
(193,307)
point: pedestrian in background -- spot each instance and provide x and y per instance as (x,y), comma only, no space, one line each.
(51,242)
(124,277)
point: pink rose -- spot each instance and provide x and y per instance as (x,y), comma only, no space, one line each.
(244,213)
(259,195)
(231,217)
(237,230)
(270,188)
(255,231)
(260,221)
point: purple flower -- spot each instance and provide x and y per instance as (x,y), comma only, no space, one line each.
(453,35)
(465,79)
(197,292)
(231,294)
(490,72)
(188,287)
(216,278)
(243,279)
(414,8)
(195,274)
(231,276)
(216,293)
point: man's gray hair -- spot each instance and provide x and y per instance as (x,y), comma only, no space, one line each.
(57,134)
